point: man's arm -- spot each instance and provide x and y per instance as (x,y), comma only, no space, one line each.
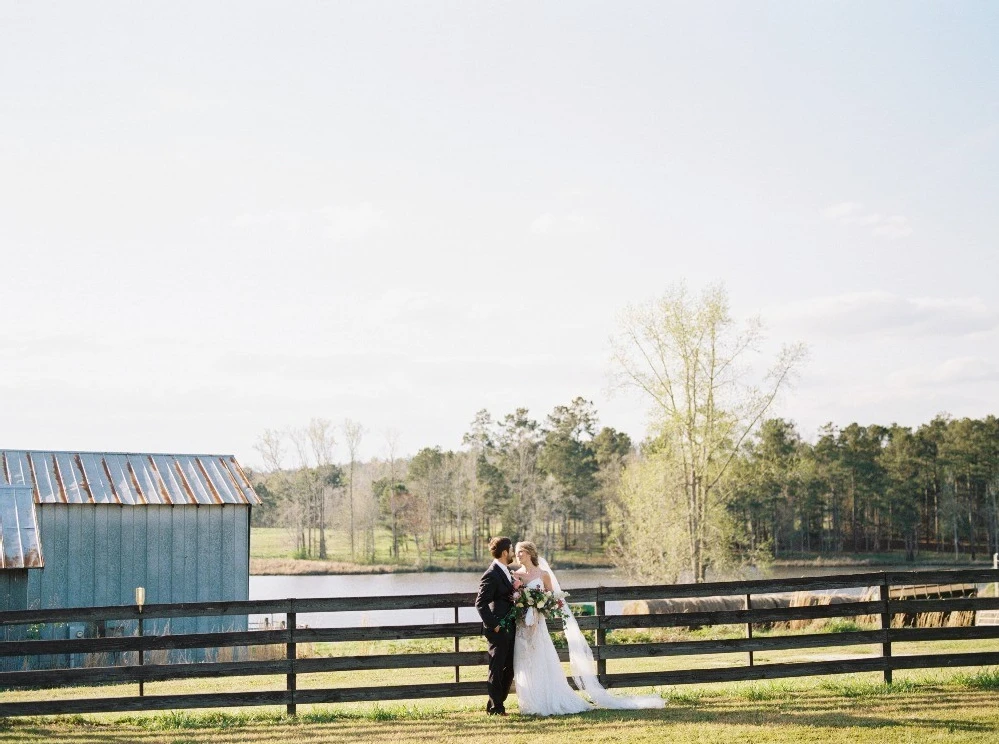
(487,592)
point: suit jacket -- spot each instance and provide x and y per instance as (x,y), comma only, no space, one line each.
(493,599)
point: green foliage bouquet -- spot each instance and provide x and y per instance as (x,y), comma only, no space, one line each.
(529,602)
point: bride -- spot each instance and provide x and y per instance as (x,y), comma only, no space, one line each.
(540,682)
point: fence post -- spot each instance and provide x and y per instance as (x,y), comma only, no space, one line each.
(601,639)
(457,648)
(292,655)
(749,626)
(886,626)
(142,655)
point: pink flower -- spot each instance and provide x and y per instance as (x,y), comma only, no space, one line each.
(516,596)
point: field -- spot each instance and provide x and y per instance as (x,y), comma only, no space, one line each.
(922,705)
(272,552)
(956,708)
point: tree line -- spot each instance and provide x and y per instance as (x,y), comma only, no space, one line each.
(550,480)
(871,488)
(717,483)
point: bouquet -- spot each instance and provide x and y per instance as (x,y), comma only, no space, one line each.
(529,602)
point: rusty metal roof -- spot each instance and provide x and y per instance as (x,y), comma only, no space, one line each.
(19,544)
(130,479)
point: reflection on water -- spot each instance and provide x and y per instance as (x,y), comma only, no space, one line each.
(366,585)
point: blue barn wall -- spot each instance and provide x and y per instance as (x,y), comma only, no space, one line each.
(13,596)
(96,554)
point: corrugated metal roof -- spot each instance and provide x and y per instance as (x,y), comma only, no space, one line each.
(19,545)
(130,479)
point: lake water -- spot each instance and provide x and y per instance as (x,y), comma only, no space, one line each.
(366,585)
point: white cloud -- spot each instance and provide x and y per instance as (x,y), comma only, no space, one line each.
(852,213)
(180,100)
(289,220)
(892,227)
(352,222)
(841,211)
(340,222)
(956,371)
(883,312)
(571,223)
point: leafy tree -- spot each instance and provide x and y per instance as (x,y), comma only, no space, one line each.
(567,455)
(611,448)
(688,358)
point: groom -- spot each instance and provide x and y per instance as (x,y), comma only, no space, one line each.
(493,602)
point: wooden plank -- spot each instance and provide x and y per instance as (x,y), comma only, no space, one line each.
(970,633)
(150,611)
(52,678)
(933,661)
(744,673)
(144,643)
(149,702)
(391,692)
(730,617)
(388,632)
(725,588)
(952,604)
(238,638)
(949,576)
(392,661)
(737,645)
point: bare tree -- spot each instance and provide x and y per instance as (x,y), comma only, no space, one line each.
(392,460)
(353,433)
(687,357)
(314,445)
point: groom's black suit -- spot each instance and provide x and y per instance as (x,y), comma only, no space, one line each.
(493,602)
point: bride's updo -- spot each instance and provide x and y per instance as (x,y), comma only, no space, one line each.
(531,548)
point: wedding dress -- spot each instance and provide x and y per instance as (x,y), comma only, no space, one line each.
(542,689)
(541,685)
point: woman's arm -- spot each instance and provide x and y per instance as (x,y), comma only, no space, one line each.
(546,580)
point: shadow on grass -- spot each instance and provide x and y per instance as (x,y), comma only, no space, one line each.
(930,710)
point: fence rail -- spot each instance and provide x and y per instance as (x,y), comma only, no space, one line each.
(884,608)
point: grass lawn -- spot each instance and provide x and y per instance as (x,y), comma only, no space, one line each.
(922,705)
(943,709)
(272,552)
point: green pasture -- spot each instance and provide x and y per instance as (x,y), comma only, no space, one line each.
(271,548)
(930,708)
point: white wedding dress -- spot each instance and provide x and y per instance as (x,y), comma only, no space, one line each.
(541,685)
(542,689)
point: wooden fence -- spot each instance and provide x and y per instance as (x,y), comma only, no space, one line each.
(884,606)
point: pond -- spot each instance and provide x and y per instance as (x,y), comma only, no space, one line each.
(366,585)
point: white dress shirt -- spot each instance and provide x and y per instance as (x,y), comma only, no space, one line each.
(506,569)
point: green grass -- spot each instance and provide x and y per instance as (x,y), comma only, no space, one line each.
(797,712)
(271,544)
(983,679)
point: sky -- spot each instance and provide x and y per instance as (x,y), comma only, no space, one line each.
(218,218)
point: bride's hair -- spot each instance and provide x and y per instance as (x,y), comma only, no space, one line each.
(531,548)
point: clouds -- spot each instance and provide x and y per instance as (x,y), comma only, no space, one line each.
(879,312)
(955,371)
(352,222)
(851,213)
(570,223)
(338,222)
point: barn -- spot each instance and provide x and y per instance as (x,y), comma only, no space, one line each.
(84,529)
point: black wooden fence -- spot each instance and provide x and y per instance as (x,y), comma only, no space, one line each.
(884,606)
